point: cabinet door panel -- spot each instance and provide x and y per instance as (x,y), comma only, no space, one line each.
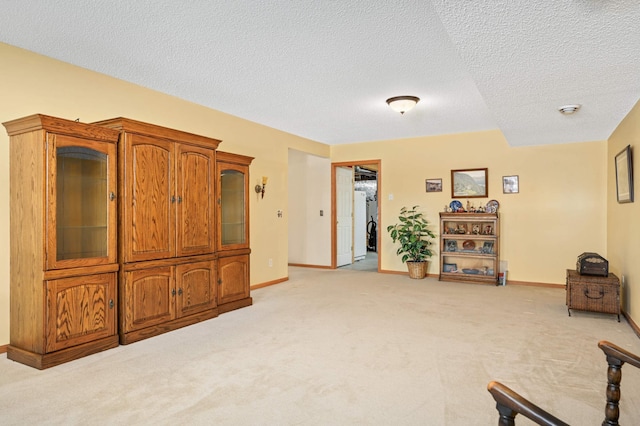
(82,214)
(149,209)
(149,298)
(233,224)
(80,310)
(234,278)
(196,168)
(196,288)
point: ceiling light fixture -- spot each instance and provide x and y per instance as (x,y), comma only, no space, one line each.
(402,104)
(569,109)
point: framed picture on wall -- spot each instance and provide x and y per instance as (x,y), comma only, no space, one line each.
(469,183)
(510,184)
(624,176)
(434,185)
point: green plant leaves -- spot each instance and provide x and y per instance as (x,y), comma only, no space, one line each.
(413,235)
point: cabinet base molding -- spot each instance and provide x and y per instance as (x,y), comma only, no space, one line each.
(470,278)
(236,304)
(145,333)
(42,361)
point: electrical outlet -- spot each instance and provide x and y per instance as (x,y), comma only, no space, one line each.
(270,263)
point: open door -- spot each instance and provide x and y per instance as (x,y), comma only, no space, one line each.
(343,184)
(344,216)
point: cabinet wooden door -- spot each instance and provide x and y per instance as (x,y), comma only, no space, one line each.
(233,282)
(149,198)
(196,289)
(233,205)
(79,310)
(81,218)
(149,298)
(195,201)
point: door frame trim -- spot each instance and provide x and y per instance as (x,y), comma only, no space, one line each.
(334,218)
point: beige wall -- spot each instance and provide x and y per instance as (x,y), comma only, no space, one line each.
(309,192)
(559,213)
(32,83)
(623,225)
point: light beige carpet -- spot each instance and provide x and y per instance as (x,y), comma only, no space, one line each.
(343,348)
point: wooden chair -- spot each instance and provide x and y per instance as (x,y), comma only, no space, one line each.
(509,404)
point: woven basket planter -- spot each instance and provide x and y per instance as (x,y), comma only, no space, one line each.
(417,270)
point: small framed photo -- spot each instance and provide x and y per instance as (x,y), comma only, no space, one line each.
(452,245)
(624,176)
(434,185)
(469,183)
(488,230)
(510,184)
(449,267)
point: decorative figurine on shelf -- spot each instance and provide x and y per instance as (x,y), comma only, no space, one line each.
(475,229)
(462,229)
(468,206)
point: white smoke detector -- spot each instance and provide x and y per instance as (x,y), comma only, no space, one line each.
(569,109)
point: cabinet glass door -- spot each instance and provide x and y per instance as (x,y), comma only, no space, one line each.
(233,224)
(82,205)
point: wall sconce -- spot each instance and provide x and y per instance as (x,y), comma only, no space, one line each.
(260,188)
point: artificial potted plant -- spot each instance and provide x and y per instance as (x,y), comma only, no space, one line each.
(415,239)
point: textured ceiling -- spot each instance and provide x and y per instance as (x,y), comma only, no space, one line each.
(322,69)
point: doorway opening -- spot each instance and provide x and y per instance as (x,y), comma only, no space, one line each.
(355,230)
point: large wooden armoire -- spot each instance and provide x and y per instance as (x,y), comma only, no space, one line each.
(120,230)
(167,241)
(63,216)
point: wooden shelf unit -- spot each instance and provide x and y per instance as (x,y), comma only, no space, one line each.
(470,247)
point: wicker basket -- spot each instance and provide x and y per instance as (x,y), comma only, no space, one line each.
(417,270)
(593,293)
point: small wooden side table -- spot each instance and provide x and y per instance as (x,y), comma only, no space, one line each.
(593,293)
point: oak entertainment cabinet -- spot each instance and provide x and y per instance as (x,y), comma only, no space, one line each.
(120,230)
(167,232)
